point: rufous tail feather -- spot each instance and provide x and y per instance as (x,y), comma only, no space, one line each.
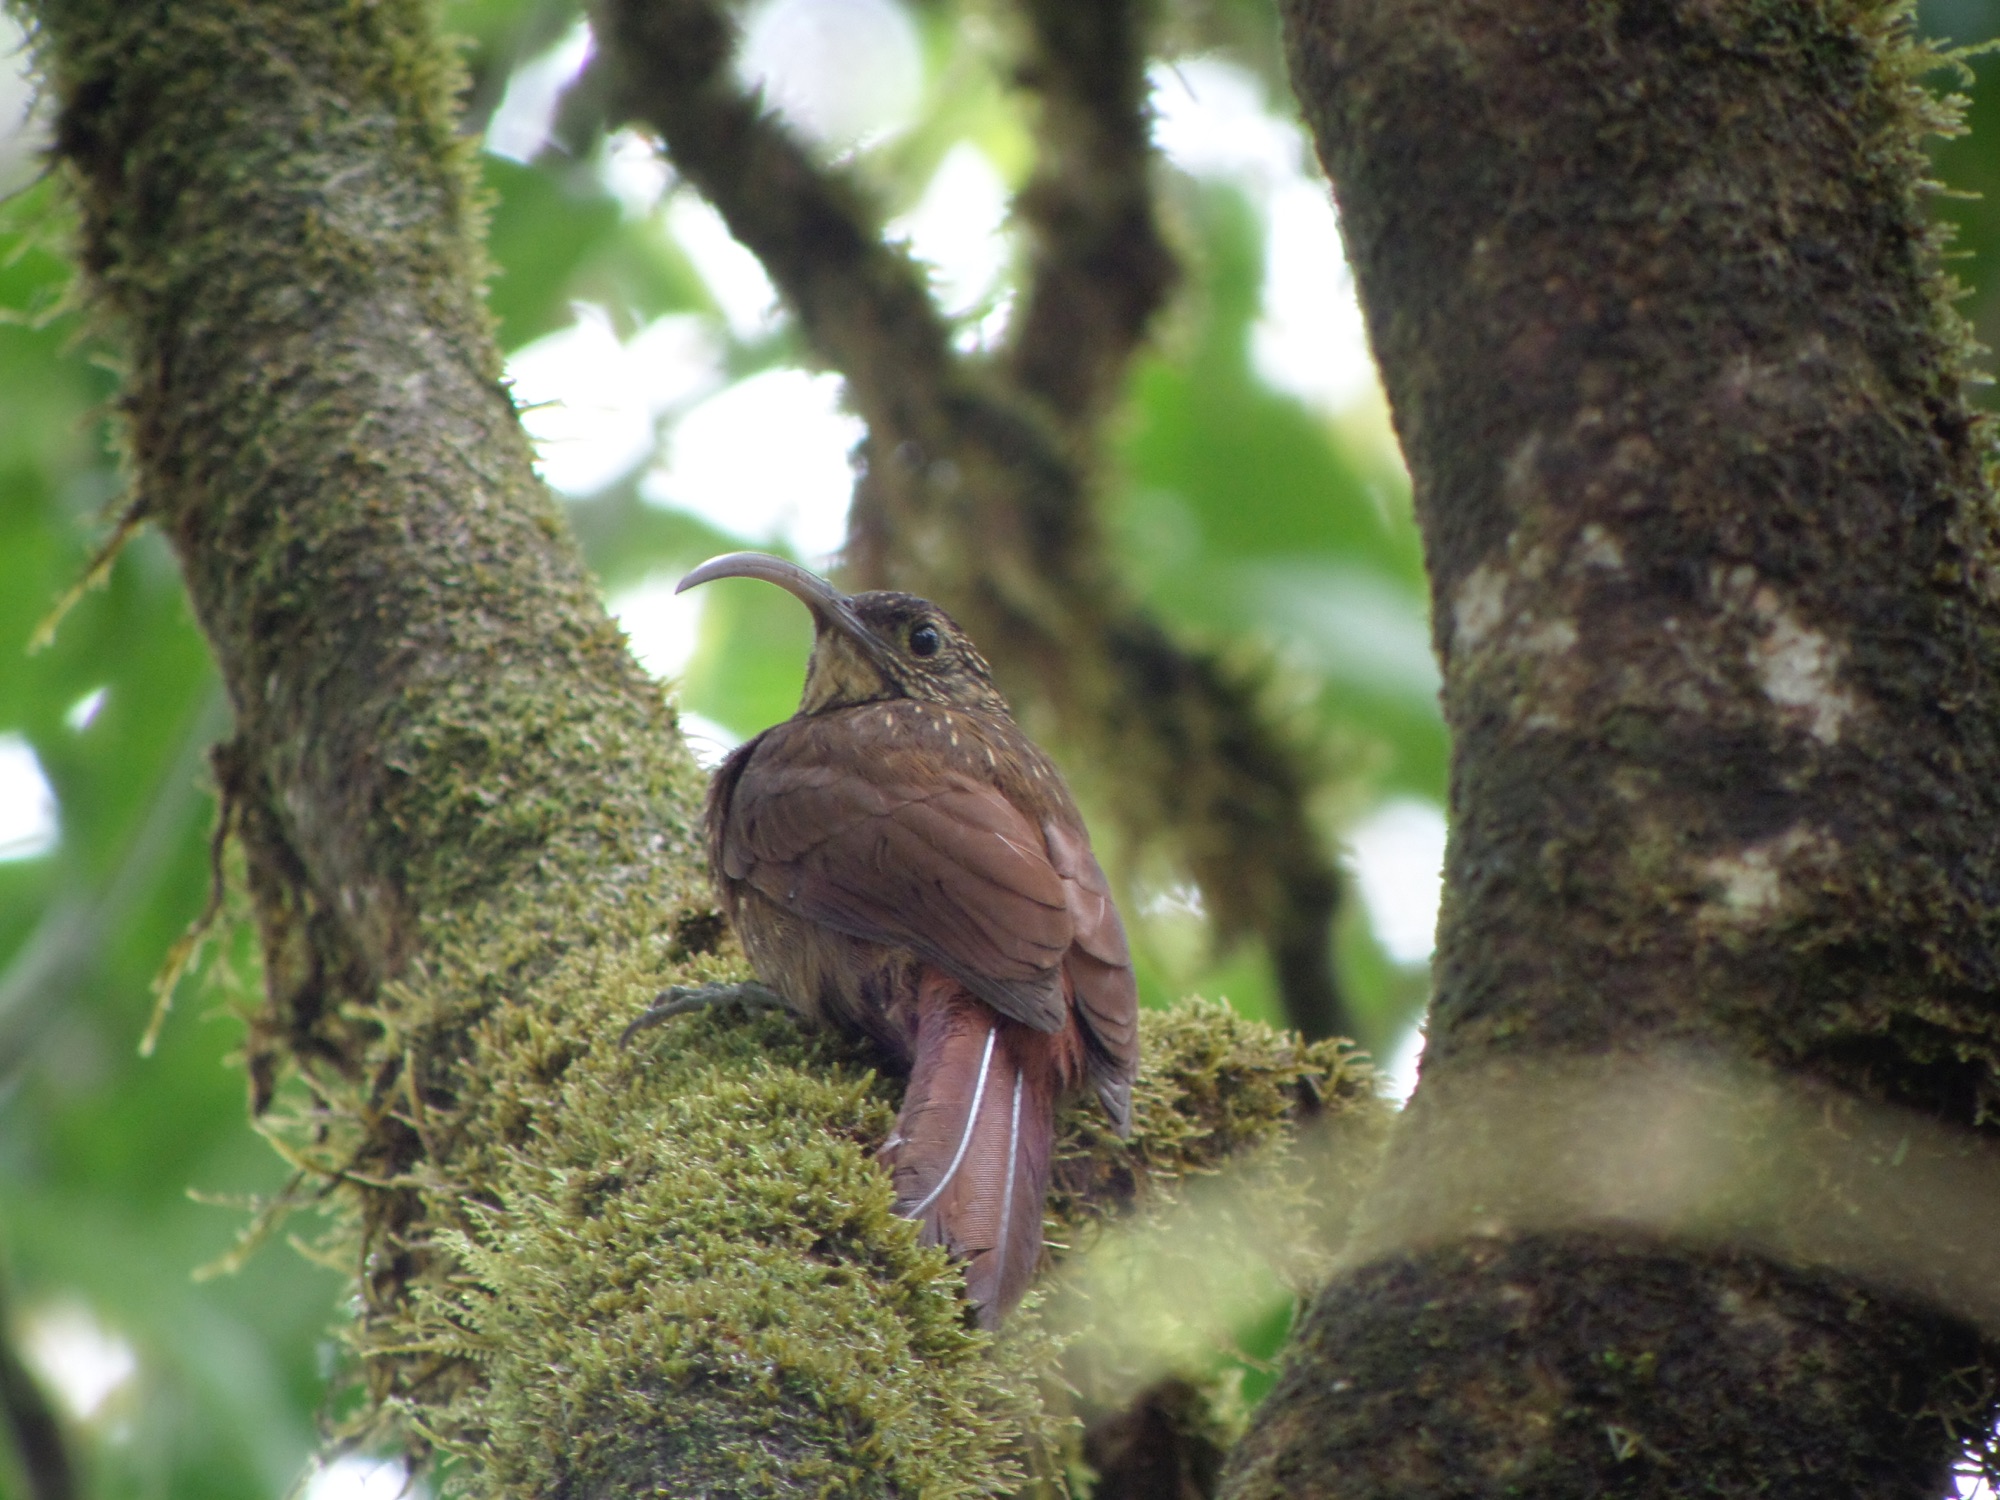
(970,1150)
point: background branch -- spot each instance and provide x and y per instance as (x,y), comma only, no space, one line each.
(978,493)
(1099,269)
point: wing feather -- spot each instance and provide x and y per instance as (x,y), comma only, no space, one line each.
(940,863)
(1099,971)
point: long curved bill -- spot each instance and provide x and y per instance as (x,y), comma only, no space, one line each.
(829,606)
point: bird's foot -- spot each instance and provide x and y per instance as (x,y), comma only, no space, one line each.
(682,999)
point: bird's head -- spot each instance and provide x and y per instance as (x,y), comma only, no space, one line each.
(870,647)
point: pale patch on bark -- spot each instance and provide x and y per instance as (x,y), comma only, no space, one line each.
(1750,886)
(1598,548)
(1529,657)
(1550,642)
(1750,883)
(1520,476)
(1799,668)
(1479,604)
(1550,638)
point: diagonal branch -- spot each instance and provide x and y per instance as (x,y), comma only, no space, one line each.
(862,302)
(976,492)
(1100,268)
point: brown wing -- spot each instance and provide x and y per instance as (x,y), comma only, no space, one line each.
(1099,967)
(875,838)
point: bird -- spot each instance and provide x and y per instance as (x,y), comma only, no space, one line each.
(900,860)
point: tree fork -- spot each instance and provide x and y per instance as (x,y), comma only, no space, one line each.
(1712,561)
(469,831)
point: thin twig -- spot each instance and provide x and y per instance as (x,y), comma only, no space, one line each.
(63,952)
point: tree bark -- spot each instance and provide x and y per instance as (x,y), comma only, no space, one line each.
(1712,560)
(469,831)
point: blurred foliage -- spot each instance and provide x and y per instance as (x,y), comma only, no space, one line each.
(1242,514)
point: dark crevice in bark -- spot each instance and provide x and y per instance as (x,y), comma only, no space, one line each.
(1164,1446)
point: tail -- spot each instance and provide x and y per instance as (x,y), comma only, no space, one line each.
(971,1148)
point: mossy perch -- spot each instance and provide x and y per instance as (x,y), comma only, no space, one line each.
(468,829)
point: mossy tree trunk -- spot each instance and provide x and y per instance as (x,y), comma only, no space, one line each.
(468,828)
(1713,556)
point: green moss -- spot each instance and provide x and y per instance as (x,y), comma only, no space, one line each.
(733,1289)
(692,1237)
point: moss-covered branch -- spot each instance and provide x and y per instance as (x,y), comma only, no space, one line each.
(1713,563)
(977,488)
(467,827)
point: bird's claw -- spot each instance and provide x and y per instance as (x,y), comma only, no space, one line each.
(682,999)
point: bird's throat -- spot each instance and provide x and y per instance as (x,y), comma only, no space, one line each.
(840,675)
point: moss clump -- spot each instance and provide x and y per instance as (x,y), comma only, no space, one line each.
(699,1255)
(691,1273)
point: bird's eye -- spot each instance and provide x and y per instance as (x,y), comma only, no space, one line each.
(924,639)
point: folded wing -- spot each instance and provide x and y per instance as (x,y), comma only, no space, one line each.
(938,863)
(1099,970)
